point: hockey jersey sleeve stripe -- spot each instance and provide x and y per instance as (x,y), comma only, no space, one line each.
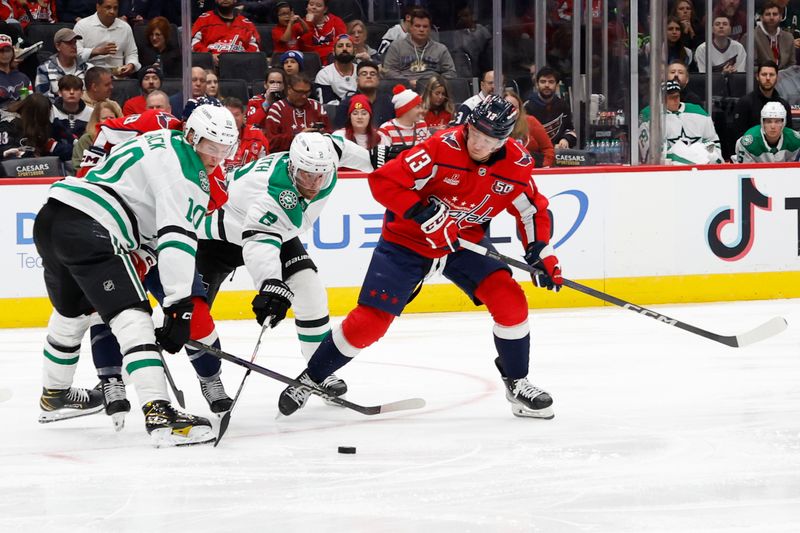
(94,197)
(526,211)
(177,229)
(252,233)
(274,243)
(179,245)
(123,204)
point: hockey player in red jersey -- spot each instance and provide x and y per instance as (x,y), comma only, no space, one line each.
(445,189)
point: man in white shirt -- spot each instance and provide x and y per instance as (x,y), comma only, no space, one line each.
(339,78)
(487,88)
(727,55)
(108,40)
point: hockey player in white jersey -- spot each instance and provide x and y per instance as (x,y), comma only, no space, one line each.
(769,142)
(272,201)
(151,190)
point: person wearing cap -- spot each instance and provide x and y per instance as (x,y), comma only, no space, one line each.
(149,81)
(324,27)
(368,80)
(769,142)
(65,61)
(439,194)
(339,77)
(358,126)
(108,40)
(291,62)
(408,129)
(12,81)
(689,135)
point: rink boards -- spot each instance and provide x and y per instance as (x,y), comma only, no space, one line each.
(649,235)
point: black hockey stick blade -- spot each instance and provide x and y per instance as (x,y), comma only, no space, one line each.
(401,405)
(175,390)
(764,331)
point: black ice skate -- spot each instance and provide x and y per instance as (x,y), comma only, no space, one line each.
(293,398)
(336,386)
(61,404)
(214,393)
(168,426)
(115,400)
(526,399)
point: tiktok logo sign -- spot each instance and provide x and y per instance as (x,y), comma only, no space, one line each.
(749,199)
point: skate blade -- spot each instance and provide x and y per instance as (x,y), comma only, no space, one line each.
(45,417)
(167,438)
(545,414)
(332,404)
(118,419)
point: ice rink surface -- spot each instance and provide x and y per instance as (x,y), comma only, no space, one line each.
(656,429)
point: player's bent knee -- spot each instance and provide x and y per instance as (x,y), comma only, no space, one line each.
(67,331)
(310,298)
(133,327)
(504,298)
(365,325)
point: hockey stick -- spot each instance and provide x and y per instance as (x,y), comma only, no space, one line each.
(759,333)
(401,405)
(226,419)
(175,390)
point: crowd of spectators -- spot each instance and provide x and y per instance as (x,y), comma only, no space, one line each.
(313,69)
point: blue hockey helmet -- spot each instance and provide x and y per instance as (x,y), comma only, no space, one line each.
(494,116)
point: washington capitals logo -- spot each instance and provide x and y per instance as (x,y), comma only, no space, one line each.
(525,160)
(450,139)
(163,120)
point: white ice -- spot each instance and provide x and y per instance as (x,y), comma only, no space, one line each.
(656,429)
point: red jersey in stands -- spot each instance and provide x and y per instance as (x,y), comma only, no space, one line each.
(284,121)
(278,46)
(441,168)
(252,145)
(321,38)
(257,108)
(210,33)
(392,133)
(134,106)
(112,132)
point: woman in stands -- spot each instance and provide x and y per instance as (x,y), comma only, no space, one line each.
(530,133)
(358,35)
(358,127)
(274,90)
(437,103)
(26,129)
(157,48)
(324,26)
(684,11)
(102,112)
(212,84)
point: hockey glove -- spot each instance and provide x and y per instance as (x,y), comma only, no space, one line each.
(274,300)
(143,260)
(175,331)
(440,230)
(540,255)
(380,155)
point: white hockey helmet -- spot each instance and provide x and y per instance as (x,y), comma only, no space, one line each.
(773,110)
(312,153)
(215,124)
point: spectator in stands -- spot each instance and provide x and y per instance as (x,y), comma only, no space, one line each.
(553,112)
(158,100)
(102,112)
(99,86)
(736,15)
(358,126)
(398,31)
(676,70)
(727,55)
(200,94)
(294,114)
(290,26)
(224,30)
(11,11)
(437,104)
(472,40)
(368,79)
(274,90)
(107,40)
(12,81)
(324,27)
(291,62)
(530,133)
(25,127)
(486,86)
(408,129)
(149,81)
(74,10)
(675,43)
(64,61)
(70,113)
(40,11)
(748,109)
(769,142)
(158,49)
(361,48)
(770,41)
(689,133)
(684,11)
(212,84)
(252,143)
(417,56)
(338,78)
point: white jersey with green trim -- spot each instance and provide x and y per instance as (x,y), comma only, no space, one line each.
(752,147)
(690,124)
(152,190)
(265,209)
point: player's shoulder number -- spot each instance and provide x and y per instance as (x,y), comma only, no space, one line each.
(418,159)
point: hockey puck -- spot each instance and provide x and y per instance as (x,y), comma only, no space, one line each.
(347,449)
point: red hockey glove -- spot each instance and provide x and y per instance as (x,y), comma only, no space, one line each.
(440,230)
(540,255)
